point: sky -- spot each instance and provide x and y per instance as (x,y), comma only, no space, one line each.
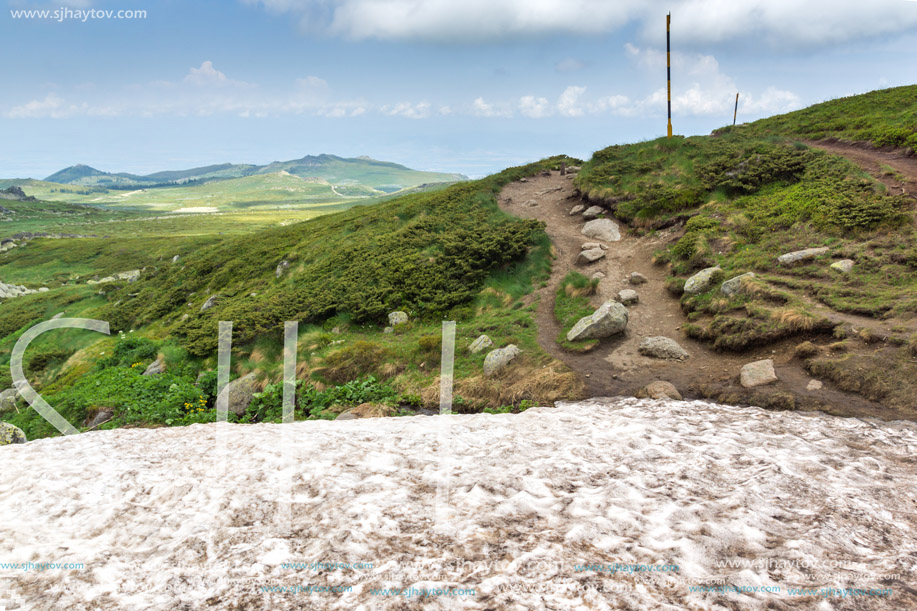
(470,86)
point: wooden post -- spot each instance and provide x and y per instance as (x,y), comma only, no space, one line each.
(563,168)
(736,111)
(668,61)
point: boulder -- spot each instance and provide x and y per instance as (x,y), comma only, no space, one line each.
(627,297)
(602,229)
(498,359)
(662,348)
(637,278)
(758,373)
(240,392)
(572,169)
(590,256)
(397,318)
(702,280)
(659,390)
(734,285)
(593,212)
(801,255)
(156,367)
(480,343)
(10,434)
(843,266)
(281,268)
(577,209)
(610,319)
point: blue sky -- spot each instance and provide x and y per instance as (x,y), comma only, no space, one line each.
(470,86)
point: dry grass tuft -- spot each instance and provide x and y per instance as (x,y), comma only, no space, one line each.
(794,320)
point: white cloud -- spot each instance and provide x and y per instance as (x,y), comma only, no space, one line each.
(206,75)
(421,110)
(535,108)
(51,106)
(569,65)
(480,108)
(813,22)
(568,104)
(312,83)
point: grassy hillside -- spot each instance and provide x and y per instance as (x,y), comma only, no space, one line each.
(447,253)
(887,117)
(743,197)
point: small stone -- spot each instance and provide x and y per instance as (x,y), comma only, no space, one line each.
(734,285)
(523,180)
(577,209)
(101,418)
(155,368)
(814,385)
(590,256)
(843,266)
(209,303)
(531,203)
(602,229)
(593,212)
(498,359)
(701,281)
(801,255)
(175,259)
(637,278)
(664,348)
(660,390)
(397,318)
(388,330)
(758,373)
(598,275)
(482,342)
(628,297)
(10,434)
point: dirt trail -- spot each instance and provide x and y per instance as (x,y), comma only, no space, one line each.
(894,169)
(615,367)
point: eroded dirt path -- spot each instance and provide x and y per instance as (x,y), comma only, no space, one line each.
(894,169)
(616,367)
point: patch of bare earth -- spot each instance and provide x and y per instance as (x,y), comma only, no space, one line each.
(615,367)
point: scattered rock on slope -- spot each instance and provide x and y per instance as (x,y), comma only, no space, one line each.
(10,434)
(734,285)
(239,393)
(659,390)
(577,209)
(482,342)
(801,255)
(628,297)
(610,319)
(702,280)
(758,373)
(843,266)
(637,278)
(602,229)
(590,256)
(397,318)
(593,212)
(662,348)
(498,359)
(156,367)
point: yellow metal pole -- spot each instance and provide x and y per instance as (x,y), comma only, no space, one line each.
(668,61)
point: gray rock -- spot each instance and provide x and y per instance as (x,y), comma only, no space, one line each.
(628,297)
(239,393)
(388,330)
(814,385)
(593,212)
(101,418)
(758,373)
(10,434)
(590,256)
(43,289)
(602,229)
(577,209)
(480,343)
(281,268)
(801,255)
(662,348)
(175,259)
(573,169)
(610,319)
(598,275)
(593,245)
(843,266)
(532,203)
(637,278)
(336,330)
(734,285)
(701,281)
(397,318)
(212,301)
(156,367)
(348,415)
(498,359)
(660,390)
(8,400)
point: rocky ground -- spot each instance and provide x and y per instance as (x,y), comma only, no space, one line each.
(616,366)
